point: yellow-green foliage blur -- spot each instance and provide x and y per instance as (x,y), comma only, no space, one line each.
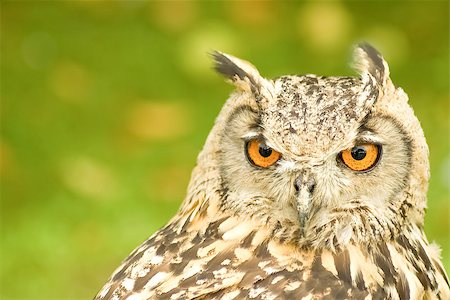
(105,105)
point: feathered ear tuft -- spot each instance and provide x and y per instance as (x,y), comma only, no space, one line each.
(368,61)
(242,74)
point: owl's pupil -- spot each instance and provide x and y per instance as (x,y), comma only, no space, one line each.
(358,153)
(264,150)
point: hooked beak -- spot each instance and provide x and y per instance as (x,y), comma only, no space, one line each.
(304,186)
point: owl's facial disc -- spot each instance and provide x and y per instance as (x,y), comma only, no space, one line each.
(317,155)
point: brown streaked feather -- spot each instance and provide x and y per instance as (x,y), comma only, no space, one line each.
(196,264)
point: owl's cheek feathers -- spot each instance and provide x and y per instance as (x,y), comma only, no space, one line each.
(328,203)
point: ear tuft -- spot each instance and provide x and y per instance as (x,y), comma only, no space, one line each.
(225,66)
(367,60)
(243,74)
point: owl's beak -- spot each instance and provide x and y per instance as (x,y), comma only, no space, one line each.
(304,209)
(304,187)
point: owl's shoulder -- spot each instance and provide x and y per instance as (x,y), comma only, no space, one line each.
(229,258)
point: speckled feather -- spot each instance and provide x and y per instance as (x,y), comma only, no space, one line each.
(238,236)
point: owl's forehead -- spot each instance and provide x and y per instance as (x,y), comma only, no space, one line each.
(312,115)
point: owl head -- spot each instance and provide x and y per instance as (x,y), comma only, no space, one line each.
(324,161)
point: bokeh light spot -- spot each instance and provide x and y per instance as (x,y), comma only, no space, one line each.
(325,24)
(194,49)
(255,14)
(70,82)
(170,184)
(157,120)
(173,16)
(390,41)
(89,178)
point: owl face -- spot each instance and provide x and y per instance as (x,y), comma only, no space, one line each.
(316,153)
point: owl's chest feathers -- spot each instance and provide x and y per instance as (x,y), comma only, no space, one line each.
(214,255)
(226,248)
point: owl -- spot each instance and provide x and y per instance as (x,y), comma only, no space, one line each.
(308,187)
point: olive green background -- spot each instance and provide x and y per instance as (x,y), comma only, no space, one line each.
(105,105)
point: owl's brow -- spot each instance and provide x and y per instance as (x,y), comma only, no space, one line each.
(368,140)
(252,135)
(258,136)
(368,136)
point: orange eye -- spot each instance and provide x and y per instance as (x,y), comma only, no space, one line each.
(361,157)
(260,154)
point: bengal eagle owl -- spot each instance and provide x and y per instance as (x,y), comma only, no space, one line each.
(308,187)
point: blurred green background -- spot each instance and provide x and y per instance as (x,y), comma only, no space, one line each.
(105,105)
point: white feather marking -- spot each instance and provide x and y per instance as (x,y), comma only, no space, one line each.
(250,135)
(148,254)
(194,267)
(219,273)
(345,235)
(156,260)
(201,281)
(134,297)
(228,224)
(276,279)
(434,251)
(237,232)
(177,295)
(156,279)
(104,291)
(259,237)
(231,295)
(242,254)
(286,166)
(291,286)
(232,279)
(263,264)
(140,296)
(356,262)
(168,284)
(328,262)
(141,272)
(400,263)
(271,270)
(128,284)
(371,274)
(254,292)
(212,249)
